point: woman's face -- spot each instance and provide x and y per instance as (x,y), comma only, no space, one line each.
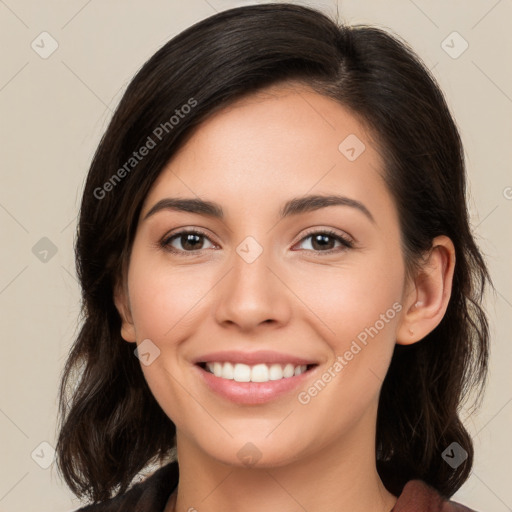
(271,279)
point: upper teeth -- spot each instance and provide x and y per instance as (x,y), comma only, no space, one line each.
(257,373)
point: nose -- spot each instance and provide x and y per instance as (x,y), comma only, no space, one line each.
(253,295)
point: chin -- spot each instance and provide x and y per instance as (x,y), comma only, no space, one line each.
(252,453)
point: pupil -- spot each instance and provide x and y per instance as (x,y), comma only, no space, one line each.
(321,240)
(189,240)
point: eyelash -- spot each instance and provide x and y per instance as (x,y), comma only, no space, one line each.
(345,241)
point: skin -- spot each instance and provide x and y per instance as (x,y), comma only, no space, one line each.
(251,157)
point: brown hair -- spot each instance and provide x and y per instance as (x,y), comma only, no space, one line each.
(111,425)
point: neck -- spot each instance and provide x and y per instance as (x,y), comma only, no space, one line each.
(340,476)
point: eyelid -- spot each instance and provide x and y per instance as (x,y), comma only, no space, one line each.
(346,240)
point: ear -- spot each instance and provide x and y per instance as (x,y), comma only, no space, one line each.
(429,294)
(122,303)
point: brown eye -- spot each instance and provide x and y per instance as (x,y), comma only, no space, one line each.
(186,241)
(325,241)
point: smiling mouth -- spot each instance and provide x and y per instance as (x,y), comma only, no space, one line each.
(261,372)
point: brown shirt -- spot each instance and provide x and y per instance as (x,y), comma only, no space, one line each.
(417,496)
(151,495)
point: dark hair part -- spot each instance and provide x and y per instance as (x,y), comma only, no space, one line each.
(111,425)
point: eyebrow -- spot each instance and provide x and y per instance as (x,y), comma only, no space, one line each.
(294,206)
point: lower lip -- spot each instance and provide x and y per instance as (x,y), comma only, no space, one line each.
(251,393)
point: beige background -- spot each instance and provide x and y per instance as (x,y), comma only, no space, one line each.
(53,113)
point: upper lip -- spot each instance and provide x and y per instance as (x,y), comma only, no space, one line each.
(252,358)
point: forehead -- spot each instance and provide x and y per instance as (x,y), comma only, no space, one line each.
(285,140)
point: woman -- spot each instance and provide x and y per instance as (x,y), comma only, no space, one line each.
(280,286)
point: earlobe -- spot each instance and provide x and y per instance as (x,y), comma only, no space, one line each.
(428,298)
(122,304)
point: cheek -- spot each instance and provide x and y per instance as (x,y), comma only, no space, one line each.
(164,299)
(357,310)
(352,297)
(359,317)
(165,304)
